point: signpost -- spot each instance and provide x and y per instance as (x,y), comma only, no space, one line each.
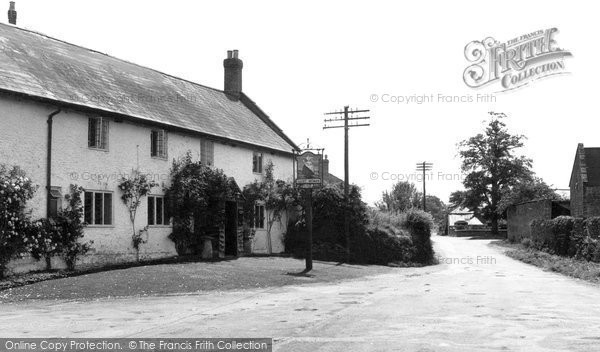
(308,176)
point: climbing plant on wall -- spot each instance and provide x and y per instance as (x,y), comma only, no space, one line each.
(133,189)
(196,199)
(15,190)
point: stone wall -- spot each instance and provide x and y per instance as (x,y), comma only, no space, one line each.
(519,218)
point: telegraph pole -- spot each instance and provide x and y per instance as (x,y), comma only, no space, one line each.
(346,116)
(424,166)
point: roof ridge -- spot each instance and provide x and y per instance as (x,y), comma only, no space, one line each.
(110,56)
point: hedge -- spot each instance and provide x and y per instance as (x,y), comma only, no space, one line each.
(568,236)
(386,239)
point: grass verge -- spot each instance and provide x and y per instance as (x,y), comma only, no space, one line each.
(579,269)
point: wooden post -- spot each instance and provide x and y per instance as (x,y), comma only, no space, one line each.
(424,196)
(346,186)
(309,225)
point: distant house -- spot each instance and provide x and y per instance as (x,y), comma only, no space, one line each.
(460,220)
(328,178)
(463,217)
(71,115)
(585,182)
(520,216)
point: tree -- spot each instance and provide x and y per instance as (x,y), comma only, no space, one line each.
(525,191)
(403,196)
(436,208)
(134,188)
(491,166)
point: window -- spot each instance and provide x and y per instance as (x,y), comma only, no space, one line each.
(97,208)
(55,201)
(98,133)
(259,216)
(257,163)
(207,152)
(158,144)
(156,211)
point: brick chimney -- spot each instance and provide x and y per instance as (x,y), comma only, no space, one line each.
(233,73)
(325,165)
(12,14)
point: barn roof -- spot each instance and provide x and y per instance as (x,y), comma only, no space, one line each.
(52,70)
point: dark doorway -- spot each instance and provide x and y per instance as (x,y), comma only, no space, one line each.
(231,228)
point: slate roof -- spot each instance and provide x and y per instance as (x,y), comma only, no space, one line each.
(51,70)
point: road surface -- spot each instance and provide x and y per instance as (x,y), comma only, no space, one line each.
(476,300)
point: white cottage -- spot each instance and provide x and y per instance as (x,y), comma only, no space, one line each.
(71,115)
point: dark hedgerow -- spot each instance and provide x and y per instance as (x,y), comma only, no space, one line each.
(568,236)
(375,237)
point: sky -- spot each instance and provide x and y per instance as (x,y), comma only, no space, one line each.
(303,59)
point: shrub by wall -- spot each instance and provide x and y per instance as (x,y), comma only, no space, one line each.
(568,236)
(386,238)
(419,225)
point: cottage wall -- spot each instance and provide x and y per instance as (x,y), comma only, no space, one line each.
(23,142)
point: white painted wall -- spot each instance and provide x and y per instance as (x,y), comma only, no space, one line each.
(23,138)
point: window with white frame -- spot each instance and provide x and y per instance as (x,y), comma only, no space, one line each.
(98,133)
(257,162)
(207,152)
(157,214)
(259,216)
(98,208)
(158,144)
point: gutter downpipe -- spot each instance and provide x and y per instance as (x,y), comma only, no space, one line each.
(49,162)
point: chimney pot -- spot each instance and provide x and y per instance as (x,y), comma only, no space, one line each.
(12,14)
(233,73)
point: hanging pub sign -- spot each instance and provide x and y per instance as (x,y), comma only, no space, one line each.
(309,170)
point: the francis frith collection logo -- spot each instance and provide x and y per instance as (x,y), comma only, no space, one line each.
(514,63)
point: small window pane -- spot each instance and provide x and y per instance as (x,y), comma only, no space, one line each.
(92,133)
(88,207)
(98,209)
(104,139)
(150,210)
(159,211)
(53,207)
(153,142)
(257,162)
(207,152)
(107,208)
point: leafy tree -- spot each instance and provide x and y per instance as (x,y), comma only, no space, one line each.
(437,209)
(489,159)
(525,191)
(133,189)
(403,196)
